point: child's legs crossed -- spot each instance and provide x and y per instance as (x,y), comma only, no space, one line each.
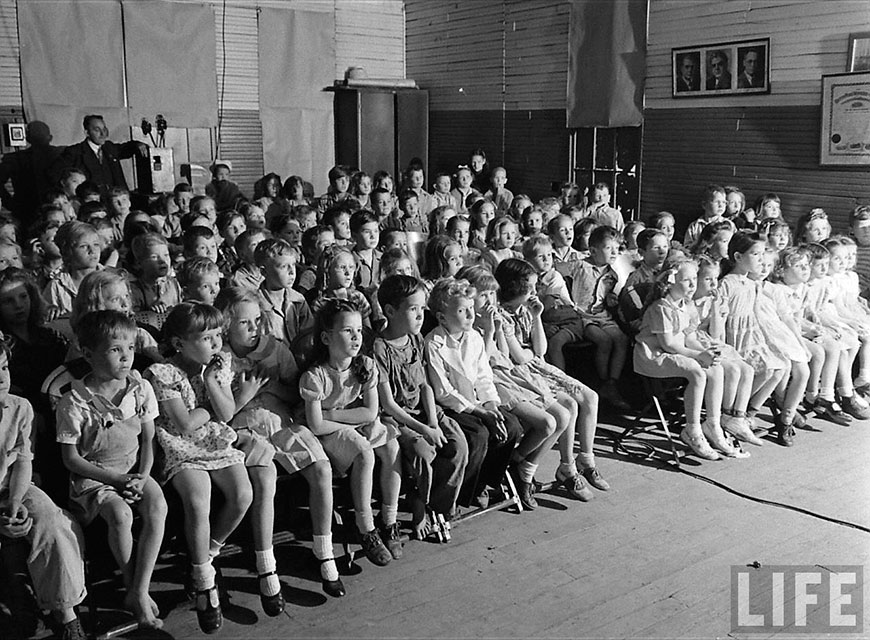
(538,426)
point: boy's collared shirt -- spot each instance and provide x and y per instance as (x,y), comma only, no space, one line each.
(502,200)
(553,291)
(592,284)
(564,259)
(697,226)
(605,214)
(459,370)
(442,200)
(144,295)
(247,277)
(369,272)
(286,314)
(16,421)
(84,416)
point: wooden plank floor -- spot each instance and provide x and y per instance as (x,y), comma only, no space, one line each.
(649,559)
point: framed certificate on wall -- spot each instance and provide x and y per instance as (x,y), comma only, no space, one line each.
(845,130)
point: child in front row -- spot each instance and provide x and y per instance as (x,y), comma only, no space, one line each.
(341,408)
(517,284)
(593,293)
(105,425)
(462,380)
(744,332)
(431,443)
(197,444)
(54,557)
(265,387)
(668,347)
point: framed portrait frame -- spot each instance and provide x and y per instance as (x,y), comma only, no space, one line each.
(845,130)
(859,52)
(721,69)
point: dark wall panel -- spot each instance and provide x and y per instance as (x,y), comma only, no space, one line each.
(535,144)
(760,150)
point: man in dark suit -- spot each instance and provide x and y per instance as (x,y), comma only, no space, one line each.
(689,79)
(720,77)
(30,172)
(98,157)
(751,77)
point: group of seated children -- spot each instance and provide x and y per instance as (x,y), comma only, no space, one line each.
(300,332)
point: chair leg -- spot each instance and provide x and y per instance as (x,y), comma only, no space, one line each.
(512,498)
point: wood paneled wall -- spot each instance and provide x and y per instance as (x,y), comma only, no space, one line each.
(368,33)
(496,71)
(761,143)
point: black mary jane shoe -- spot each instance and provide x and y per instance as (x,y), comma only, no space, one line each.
(333,588)
(272,605)
(208,610)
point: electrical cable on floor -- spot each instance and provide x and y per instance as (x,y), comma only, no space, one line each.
(620,447)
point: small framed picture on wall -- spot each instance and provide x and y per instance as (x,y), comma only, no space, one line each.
(723,69)
(859,52)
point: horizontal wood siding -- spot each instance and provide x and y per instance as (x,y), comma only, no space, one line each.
(456,51)
(763,149)
(808,38)
(536,151)
(496,71)
(453,134)
(536,144)
(536,55)
(10,69)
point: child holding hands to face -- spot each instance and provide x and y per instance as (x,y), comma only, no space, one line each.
(432,444)
(105,425)
(195,400)
(265,388)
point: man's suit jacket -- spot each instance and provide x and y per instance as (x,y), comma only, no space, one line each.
(745,82)
(107,173)
(724,82)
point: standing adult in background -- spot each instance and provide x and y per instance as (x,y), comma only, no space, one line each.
(98,157)
(479,170)
(30,172)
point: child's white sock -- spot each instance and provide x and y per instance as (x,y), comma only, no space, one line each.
(388,513)
(214,549)
(587,460)
(569,469)
(827,394)
(202,576)
(265,561)
(322,547)
(526,470)
(365,521)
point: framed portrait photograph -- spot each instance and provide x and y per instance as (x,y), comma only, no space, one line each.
(859,52)
(845,130)
(723,69)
